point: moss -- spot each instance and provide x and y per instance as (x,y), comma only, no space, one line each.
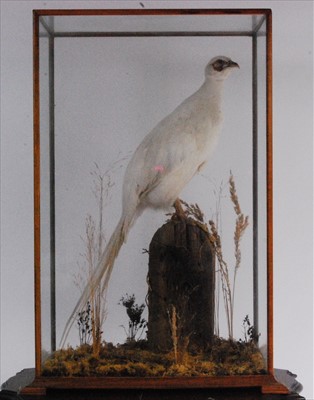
(206,368)
(179,370)
(224,358)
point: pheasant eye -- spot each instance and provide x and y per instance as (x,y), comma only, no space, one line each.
(218,65)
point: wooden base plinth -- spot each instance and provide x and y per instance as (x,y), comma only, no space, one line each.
(166,394)
(263,387)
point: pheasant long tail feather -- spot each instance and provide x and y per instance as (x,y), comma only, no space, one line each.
(101,274)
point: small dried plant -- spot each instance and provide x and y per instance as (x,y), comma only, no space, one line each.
(179,319)
(172,315)
(249,331)
(194,211)
(137,324)
(84,323)
(227,283)
(93,244)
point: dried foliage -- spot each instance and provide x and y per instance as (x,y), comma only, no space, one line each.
(228,273)
(228,286)
(249,331)
(180,317)
(172,315)
(194,211)
(84,323)
(137,323)
(93,241)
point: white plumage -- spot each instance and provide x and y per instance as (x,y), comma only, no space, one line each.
(163,164)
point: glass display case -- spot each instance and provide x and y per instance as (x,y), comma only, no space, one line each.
(153,199)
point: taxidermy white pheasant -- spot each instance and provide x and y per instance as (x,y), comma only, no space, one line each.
(166,160)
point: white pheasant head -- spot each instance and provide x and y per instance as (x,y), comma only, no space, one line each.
(220,67)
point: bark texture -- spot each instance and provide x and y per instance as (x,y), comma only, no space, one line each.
(181,296)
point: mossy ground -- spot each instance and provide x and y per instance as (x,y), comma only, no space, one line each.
(135,359)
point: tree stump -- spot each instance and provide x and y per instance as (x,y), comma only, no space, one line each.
(181,294)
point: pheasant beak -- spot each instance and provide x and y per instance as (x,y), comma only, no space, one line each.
(232,64)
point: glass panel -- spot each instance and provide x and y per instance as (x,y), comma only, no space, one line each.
(261,201)
(152,23)
(106,95)
(45,188)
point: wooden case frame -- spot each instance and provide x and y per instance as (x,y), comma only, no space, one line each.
(266,383)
